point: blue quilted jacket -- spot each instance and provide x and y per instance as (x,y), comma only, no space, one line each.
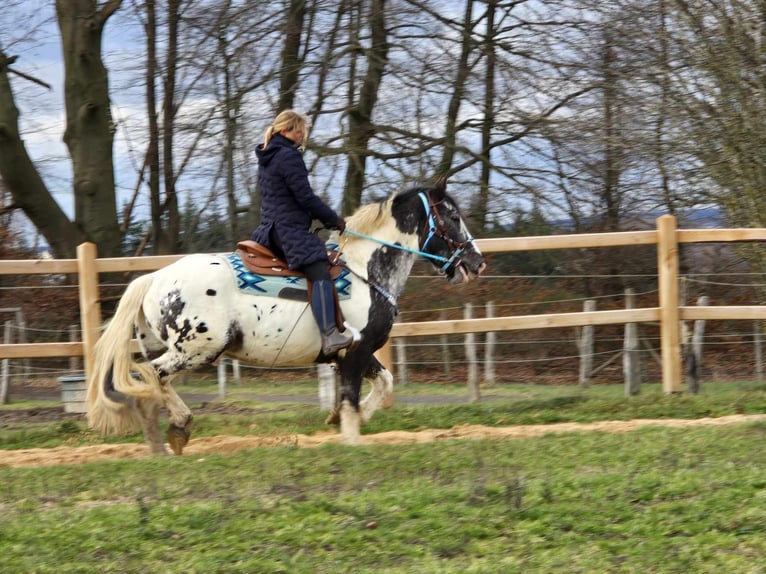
(288,204)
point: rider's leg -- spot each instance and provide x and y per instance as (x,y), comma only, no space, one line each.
(323,307)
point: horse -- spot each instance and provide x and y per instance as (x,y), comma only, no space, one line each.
(193,312)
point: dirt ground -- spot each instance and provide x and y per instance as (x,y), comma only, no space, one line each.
(72,455)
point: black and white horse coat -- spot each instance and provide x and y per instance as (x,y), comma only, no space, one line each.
(191,313)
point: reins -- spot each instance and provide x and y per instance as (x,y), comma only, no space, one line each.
(434,227)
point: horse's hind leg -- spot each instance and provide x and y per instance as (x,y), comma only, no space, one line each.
(179,416)
(149,412)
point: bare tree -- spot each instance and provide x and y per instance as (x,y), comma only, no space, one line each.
(22,180)
(361,107)
(88,136)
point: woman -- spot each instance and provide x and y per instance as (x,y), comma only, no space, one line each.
(288,205)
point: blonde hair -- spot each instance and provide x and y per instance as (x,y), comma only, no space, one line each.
(288,120)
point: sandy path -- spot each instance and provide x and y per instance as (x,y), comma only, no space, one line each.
(230,444)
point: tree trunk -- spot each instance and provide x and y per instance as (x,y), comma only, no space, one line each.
(458,92)
(153,153)
(481,204)
(360,115)
(291,61)
(21,178)
(89,127)
(168,131)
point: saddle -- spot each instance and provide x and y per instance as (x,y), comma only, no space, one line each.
(260,260)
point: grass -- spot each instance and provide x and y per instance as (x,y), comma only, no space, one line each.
(656,500)
(501,405)
(651,500)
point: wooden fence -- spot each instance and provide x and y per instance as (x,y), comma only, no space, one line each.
(669,313)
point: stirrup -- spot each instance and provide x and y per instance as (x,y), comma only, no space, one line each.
(334,341)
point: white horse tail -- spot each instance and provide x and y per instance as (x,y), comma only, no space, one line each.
(112,390)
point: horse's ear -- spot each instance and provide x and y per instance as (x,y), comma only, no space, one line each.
(440,188)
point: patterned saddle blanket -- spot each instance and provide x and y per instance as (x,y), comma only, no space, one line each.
(282,285)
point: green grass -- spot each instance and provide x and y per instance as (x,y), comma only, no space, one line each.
(655,500)
(650,500)
(502,405)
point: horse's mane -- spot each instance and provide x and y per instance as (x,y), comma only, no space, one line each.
(369,217)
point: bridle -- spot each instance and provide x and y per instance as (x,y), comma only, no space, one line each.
(434,227)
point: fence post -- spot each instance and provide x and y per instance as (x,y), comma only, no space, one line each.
(489,348)
(236,372)
(74,336)
(221,369)
(631,365)
(21,327)
(5,374)
(470,355)
(758,344)
(327,393)
(670,327)
(585,343)
(444,339)
(384,355)
(401,361)
(694,351)
(90,302)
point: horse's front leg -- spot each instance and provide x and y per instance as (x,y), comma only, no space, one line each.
(350,385)
(382,392)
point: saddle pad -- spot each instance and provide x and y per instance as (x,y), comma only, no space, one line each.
(286,287)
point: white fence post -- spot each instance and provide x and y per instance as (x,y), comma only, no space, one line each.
(444,339)
(585,344)
(631,364)
(5,372)
(400,346)
(489,348)
(326,375)
(236,372)
(758,344)
(222,378)
(694,351)
(470,355)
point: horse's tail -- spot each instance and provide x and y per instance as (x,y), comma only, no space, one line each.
(112,390)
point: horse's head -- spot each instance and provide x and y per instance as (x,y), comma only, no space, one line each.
(445,238)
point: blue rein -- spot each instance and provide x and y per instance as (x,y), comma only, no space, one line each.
(432,228)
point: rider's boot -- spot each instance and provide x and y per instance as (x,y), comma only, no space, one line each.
(323,307)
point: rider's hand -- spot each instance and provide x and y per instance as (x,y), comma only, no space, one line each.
(339,224)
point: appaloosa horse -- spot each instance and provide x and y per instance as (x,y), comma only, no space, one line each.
(199,309)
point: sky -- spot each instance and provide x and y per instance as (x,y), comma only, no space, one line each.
(42,116)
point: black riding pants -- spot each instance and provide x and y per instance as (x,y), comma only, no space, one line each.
(316,271)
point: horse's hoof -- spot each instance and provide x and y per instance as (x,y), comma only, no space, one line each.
(177,438)
(333,418)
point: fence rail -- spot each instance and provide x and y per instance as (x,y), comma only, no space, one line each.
(669,314)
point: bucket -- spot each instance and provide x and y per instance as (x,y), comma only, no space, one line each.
(73,391)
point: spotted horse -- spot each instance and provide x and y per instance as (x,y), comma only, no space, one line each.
(192,312)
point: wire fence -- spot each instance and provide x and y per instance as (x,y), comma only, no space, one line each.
(545,356)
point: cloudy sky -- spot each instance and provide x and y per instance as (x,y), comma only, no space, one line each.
(31,33)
